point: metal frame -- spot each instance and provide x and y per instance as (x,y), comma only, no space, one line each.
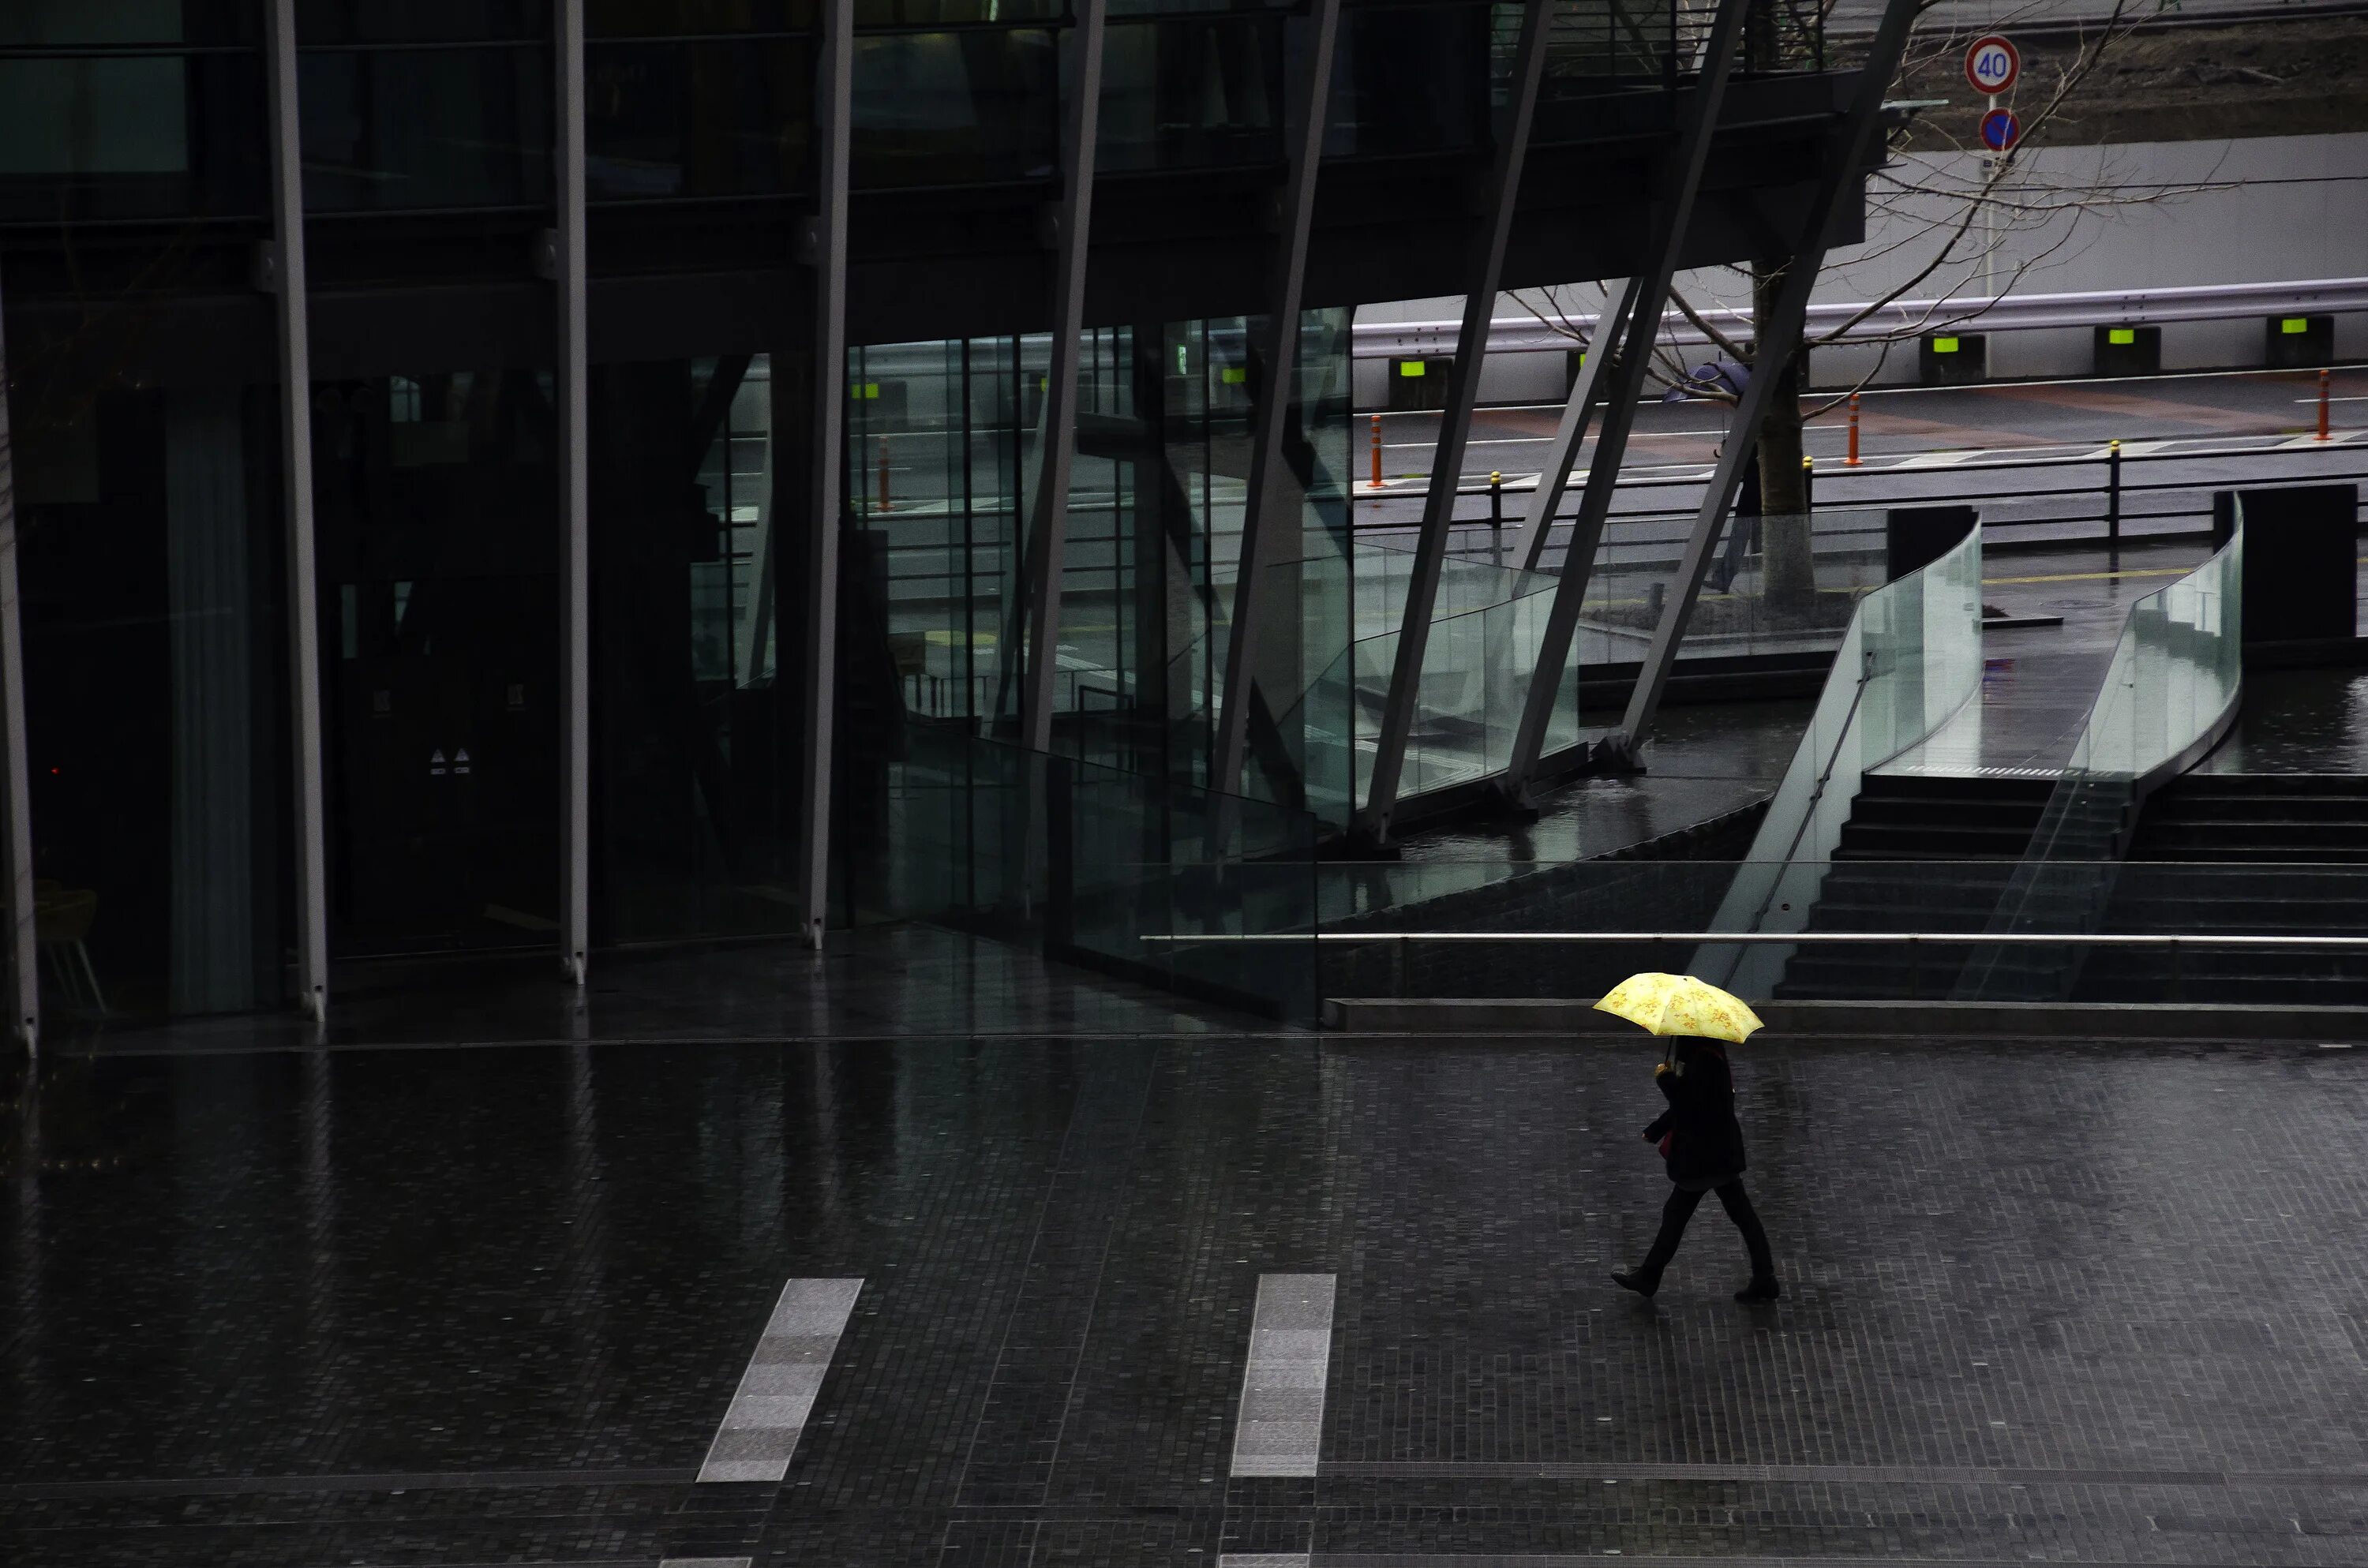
(575,546)
(1455,424)
(1296,216)
(1782,938)
(1553,479)
(1780,341)
(1050,514)
(16,780)
(824,462)
(296,462)
(1651,294)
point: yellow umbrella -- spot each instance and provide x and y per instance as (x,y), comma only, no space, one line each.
(1680,1005)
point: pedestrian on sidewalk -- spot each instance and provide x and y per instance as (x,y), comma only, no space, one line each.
(1701,1145)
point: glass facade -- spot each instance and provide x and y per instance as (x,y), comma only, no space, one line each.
(134,214)
(152,580)
(436,521)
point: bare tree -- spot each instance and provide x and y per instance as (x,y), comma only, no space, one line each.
(1969,225)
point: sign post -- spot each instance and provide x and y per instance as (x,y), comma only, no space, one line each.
(1992,64)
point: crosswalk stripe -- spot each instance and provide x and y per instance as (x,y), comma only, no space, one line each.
(767,1414)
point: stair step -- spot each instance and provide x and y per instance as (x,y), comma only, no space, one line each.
(2251,786)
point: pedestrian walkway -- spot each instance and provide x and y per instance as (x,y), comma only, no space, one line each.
(1169,1301)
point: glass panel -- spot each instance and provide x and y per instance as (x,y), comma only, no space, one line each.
(956,107)
(1859,946)
(1411,79)
(696,120)
(142,110)
(693,743)
(696,18)
(1183,93)
(389,129)
(1912,658)
(2171,692)
(437,510)
(420,21)
(155,687)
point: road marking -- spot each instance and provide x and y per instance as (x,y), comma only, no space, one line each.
(1281,1424)
(767,1414)
(2086,576)
(1263,1560)
(2300,443)
(706,1561)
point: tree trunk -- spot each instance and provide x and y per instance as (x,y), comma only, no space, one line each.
(1787,563)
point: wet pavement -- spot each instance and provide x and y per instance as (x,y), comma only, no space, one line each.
(2083,1303)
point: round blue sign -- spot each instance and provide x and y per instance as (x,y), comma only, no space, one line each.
(2001,131)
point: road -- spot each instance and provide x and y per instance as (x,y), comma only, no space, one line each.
(2031,455)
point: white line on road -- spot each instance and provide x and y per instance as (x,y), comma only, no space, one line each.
(767,1416)
(1281,1424)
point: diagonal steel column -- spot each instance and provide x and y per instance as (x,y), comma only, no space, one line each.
(1651,295)
(1048,517)
(296,480)
(1780,341)
(1261,522)
(825,464)
(1455,424)
(575,545)
(1585,392)
(24,979)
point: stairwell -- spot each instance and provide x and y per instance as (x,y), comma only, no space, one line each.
(2246,854)
(1920,853)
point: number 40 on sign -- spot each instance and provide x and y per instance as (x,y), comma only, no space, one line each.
(1992,64)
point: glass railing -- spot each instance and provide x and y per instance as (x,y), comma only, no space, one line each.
(1882,931)
(2168,697)
(1910,659)
(1776,585)
(1136,875)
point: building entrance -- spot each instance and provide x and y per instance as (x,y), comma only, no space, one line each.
(436,519)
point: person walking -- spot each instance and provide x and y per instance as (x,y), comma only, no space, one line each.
(1702,1144)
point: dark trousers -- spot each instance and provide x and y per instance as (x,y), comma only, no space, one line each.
(1680,1209)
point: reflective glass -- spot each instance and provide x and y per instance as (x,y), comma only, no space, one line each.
(388,129)
(137,110)
(707,119)
(1910,659)
(154,596)
(436,511)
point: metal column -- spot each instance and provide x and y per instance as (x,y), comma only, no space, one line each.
(1297,215)
(15,784)
(296,479)
(1553,479)
(1651,295)
(575,545)
(1455,424)
(824,464)
(1780,341)
(1049,516)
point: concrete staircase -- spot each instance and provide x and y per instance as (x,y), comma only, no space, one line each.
(1918,854)
(2269,853)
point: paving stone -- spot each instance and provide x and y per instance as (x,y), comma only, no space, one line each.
(2100,1305)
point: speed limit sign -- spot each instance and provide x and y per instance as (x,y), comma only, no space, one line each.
(1992,64)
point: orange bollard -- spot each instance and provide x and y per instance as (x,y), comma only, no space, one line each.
(1377,453)
(2322,405)
(1852,460)
(883,474)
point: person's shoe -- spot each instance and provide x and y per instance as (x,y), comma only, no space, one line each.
(1635,1279)
(1761,1288)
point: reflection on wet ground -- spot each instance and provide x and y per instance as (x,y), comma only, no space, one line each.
(2298,722)
(2074,1301)
(1704,761)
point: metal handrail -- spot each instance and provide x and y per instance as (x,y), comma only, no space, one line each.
(1958,939)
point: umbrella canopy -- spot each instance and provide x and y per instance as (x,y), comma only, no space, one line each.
(1680,1005)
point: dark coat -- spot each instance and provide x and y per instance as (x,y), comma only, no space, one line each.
(1705,1142)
